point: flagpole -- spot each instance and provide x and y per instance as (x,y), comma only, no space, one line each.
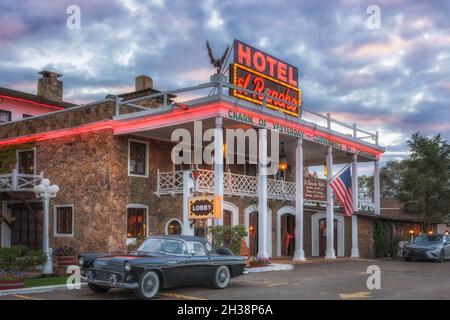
(345,167)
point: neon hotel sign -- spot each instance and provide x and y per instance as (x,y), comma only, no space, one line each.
(257,71)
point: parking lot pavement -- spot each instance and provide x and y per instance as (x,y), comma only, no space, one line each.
(339,280)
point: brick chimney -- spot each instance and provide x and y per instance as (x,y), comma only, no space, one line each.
(49,86)
(143,82)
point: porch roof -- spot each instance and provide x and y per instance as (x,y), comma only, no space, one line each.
(159,123)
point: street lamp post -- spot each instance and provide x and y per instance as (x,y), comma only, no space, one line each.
(46,192)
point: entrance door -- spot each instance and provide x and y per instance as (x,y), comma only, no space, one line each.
(253,233)
(323,236)
(27,228)
(287,235)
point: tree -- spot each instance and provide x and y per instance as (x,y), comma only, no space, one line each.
(424,186)
(390,180)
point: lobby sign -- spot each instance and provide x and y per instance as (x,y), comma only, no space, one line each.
(314,189)
(257,71)
(205,207)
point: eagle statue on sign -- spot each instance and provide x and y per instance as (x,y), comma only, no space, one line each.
(217,63)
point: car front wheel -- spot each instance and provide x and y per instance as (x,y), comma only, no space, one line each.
(221,277)
(98,289)
(148,285)
(442,256)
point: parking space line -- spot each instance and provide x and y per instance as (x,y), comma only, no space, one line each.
(277,284)
(27,297)
(179,296)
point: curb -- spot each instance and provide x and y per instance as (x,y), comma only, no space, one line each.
(272,267)
(36,289)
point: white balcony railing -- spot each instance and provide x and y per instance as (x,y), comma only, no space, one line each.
(238,185)
(15,181)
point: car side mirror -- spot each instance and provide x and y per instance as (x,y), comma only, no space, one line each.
(192,253)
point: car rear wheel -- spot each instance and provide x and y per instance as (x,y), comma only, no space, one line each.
(221,277)
(98,289)
(442,256)
(149,284)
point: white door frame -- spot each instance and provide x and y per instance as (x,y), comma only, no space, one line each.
(234,212)
(284,210)
(315,235)
(250,209)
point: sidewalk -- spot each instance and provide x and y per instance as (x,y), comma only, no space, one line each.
(310,260)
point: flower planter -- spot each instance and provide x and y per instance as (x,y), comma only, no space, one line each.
(64,261)
(12,284)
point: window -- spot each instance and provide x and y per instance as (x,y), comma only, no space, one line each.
(5,116)
(196,249)
(136,222)
(137,160)
(25,161)
(63,221)
(173,227)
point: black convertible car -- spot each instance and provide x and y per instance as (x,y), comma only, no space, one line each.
(162,262)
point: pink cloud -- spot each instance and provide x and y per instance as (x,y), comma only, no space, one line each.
(10,28)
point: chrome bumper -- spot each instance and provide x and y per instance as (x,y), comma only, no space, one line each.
(121,285)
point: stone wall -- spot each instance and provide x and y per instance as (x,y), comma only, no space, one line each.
(58,120)
(80,165)
(365,239)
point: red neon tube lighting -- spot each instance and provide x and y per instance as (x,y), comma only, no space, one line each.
(32,102)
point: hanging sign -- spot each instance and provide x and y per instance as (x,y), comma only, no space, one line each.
(205,207)
(314,189)
(257,71)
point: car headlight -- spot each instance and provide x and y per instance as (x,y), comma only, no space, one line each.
(81,261)
(127,266)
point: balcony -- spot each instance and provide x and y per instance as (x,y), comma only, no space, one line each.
(171,183)
(19,182)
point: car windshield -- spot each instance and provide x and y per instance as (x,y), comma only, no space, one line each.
(428,239)
(159,245)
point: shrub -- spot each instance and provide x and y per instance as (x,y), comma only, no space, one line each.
(20,258)
(228,236)
(135,244)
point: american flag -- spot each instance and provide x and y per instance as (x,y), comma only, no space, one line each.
(342,187)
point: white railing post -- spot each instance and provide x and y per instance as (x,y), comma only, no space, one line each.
(14,180)
(376,180)
(158,181)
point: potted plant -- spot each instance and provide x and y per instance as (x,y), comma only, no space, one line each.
(258,262)
(14,261)
(65,256)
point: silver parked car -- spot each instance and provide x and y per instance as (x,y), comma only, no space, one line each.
(428,247)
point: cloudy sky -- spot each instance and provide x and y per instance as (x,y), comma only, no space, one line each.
(395,79)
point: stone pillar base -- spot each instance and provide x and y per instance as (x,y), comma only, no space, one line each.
(355,253)
(330,254)
(299,256)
